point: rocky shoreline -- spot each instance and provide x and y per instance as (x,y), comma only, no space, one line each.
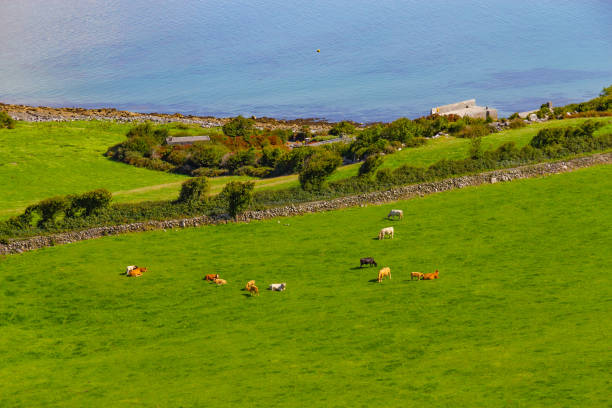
(373,198)
(48,114)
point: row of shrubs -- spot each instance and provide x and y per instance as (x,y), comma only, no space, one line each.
(93,208)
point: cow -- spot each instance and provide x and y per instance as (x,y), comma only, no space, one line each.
(396,213)
(212,276)
(278,287)
(431,276)
(130,268)
(367,261)
(253,290)
(220,282)
(249,284)
(384,272)
(136,272)
(418,275)
(384,232)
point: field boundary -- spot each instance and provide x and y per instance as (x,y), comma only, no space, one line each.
(373,198)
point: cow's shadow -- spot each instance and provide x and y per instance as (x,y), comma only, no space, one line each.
(375,280)
(356,268)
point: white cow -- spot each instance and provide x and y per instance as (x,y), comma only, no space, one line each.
(384,232)
(396,213)
(130,269)
(279,287)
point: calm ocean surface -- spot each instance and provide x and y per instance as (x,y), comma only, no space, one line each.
(379,60)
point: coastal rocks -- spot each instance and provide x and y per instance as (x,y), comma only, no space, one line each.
(376,197)
(48,114)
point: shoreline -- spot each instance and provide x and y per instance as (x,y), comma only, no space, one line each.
(28,113)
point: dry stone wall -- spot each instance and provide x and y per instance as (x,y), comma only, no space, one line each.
(377,197)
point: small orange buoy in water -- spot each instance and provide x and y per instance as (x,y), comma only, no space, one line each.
(318,50)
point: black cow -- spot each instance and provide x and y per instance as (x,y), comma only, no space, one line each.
(367,261)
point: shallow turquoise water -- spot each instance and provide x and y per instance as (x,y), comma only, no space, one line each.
(378,60)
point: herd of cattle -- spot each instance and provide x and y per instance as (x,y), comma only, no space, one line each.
(386,271)
(135,271)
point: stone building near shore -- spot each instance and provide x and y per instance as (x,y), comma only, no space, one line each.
(466,108)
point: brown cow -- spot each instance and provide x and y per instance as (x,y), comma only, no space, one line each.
(418,275)
(136,272)
(254,290)
(249,284)
(220,281)
(430,276)
(212,276)
(384,272)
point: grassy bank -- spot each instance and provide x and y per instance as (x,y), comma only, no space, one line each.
(518,317)
(39,160)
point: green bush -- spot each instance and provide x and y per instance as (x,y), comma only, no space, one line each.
(270,156)
(370,165)
(517,123)
(194,190)
(237,196)
(475,130)
(6,121)
(342,129)
(206,155)
(208,172)
(254,171)
(240,159)
(238,127)
(317,168)
(50,208)
(89,203)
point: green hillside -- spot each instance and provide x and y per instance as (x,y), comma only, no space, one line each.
(520,316)
(39,160)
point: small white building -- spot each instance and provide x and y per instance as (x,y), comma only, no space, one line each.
(186,140)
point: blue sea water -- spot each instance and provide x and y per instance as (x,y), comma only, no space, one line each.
(378,60)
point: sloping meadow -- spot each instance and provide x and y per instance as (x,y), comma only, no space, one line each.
(518,317)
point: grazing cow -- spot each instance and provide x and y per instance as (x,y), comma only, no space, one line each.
(249,284)
(384,272)
(211,276)
(418,275)
(136,272)
(396,213)
(367,261)
(430,276)
(278,287)
(384,232)
(253,290)
(220,281)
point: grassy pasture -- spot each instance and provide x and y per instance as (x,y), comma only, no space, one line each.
(40,160)
(520,316)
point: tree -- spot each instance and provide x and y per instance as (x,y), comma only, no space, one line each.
(238,127)
(194,190)
(238,196)
(370,165)
(342,128)
(317,168)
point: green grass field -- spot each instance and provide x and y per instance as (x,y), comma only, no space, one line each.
(520,316)
(40,160)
